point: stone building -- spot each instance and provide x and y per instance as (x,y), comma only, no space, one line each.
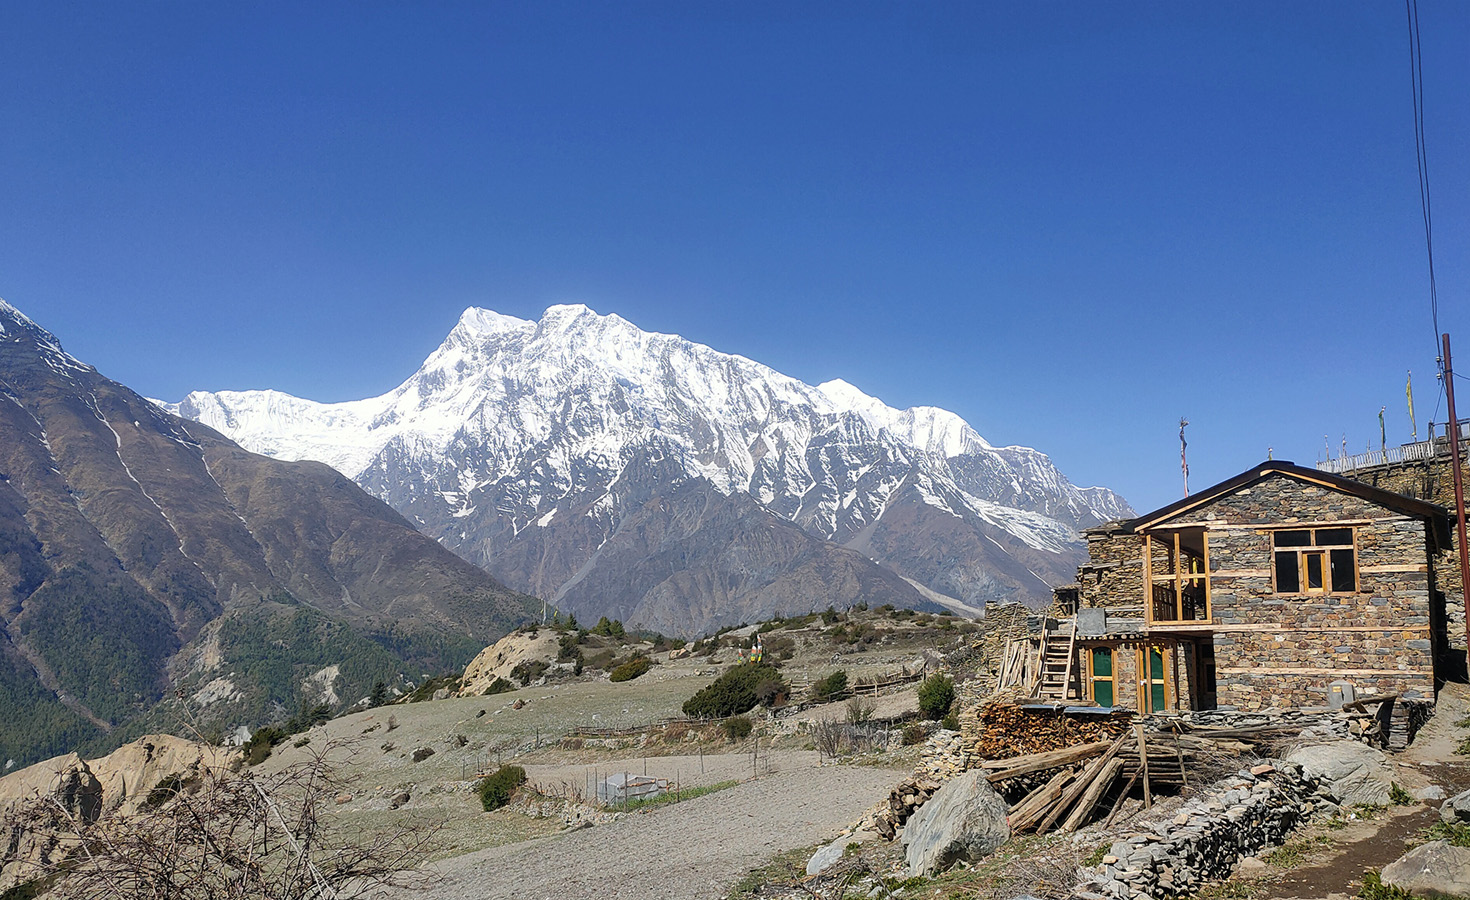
(1283,586)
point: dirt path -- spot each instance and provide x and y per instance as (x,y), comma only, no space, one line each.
(688,851)
(1335,872)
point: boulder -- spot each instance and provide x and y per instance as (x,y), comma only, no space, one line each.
(1456,809)
(1432,869)
(1428,793)
(1354,773)
(965,819)
(826,856)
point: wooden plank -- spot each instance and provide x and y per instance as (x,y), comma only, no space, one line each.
(1080,786)
(1030,809)
(1094,793)
(1148,797)
(1413,670)
(1040,762)
(1118,804)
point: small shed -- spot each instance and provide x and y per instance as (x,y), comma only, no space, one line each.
(622,787)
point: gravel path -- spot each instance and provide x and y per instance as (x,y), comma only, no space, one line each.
(687,851)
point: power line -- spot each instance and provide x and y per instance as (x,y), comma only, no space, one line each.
(1416,73)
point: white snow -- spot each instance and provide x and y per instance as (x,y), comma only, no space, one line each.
(540,411)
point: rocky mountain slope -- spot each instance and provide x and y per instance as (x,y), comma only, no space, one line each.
(142,554)
(653,479)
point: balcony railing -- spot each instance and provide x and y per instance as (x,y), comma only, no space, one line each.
(1437,444)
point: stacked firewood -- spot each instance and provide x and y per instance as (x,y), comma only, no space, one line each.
(1001,730)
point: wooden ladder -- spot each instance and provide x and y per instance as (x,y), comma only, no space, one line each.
(1058,658)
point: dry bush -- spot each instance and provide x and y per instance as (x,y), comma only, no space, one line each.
(224,836)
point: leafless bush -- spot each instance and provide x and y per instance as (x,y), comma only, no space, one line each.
(835,738)
(222,835)
(859,710)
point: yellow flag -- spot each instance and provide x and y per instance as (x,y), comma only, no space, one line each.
(1409,392)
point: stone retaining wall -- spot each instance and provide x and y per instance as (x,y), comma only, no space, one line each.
(1252,812)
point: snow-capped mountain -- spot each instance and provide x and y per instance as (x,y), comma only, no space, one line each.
(532,447)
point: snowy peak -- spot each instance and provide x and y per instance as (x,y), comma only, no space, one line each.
(513,431)
(19,330)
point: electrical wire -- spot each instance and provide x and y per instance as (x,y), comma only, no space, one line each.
(1416,73)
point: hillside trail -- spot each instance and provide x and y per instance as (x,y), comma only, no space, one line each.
(693,850)
(1336,872)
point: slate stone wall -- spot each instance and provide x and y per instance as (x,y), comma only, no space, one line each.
(1378,637)
(1432,480)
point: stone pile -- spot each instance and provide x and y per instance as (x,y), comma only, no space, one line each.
(1386,722)
(1247,814)
(943,756)
(891,815)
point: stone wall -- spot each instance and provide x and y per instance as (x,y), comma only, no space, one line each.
(1432,480)
(1112,577)
(1254,811)
(1285,650)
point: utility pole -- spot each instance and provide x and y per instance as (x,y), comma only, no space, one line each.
(1449,388)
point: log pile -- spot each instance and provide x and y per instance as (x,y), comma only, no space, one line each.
(1002,730)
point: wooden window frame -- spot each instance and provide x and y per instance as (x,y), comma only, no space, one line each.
(1180,576)
(1315,549)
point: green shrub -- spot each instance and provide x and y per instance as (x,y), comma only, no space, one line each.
(1399,796)
(1374,889)
(258,748)
(631,669)
(936,695)
(737,728)
(735,692)
(951,722)
(527,672)
(829,617)
(498,686)
(495,790)
(830,688)
(608,627)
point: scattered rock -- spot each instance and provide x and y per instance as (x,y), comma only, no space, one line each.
(1355,773)
(964,820)
(1250,867)
(1457,808)
(1428,793)
(343,798)
(399,799)
(441,694)
(422,754)
(1431,869)
(826,856)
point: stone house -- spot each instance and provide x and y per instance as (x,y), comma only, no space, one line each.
(1282,586)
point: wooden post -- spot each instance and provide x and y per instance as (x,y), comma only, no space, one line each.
(1449,388)
(1148,797)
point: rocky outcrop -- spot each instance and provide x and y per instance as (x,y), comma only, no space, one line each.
(1435,869)
(964,820)
(500,658)
(118,784)
(1354,772)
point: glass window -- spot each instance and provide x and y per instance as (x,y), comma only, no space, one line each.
(1293,538)
(1301,568)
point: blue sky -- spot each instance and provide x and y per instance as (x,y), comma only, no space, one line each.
(1072,223)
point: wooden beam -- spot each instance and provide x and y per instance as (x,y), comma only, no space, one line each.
(1148,797)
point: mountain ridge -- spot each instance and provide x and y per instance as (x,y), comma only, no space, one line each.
(133,537)
(511,425)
